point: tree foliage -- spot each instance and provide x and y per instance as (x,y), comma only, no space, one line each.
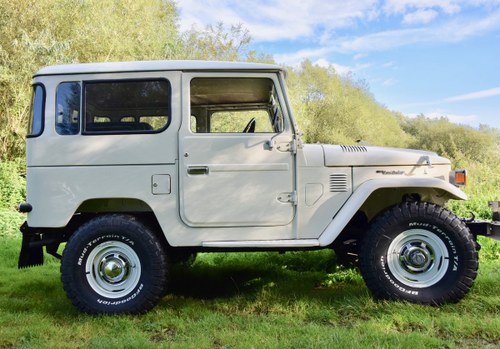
(456,142)
(329,108)
(332,109)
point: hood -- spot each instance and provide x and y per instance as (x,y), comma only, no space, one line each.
(357,155)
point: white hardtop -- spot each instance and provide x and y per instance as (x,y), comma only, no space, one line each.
(145,66)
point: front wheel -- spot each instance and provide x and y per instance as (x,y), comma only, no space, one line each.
(419,252)
(114,264)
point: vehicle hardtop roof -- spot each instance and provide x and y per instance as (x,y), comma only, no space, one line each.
(145,66)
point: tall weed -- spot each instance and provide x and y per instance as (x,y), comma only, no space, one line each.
(12,192)
(12,183)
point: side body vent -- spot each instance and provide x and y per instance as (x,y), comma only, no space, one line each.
(338,182)
(353,149)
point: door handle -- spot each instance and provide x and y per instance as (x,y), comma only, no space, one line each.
(197,170)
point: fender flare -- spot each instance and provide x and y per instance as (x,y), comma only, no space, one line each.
(361,194)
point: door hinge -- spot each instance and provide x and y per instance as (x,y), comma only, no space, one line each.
(289,146)
(293,149)
(288,197)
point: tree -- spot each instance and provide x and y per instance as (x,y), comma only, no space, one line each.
(219,42)
(334,109)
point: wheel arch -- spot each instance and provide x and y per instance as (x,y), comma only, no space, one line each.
(374,196)
(107,205)
(128,206)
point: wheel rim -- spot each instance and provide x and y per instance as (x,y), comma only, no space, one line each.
(418,258)
(113,269)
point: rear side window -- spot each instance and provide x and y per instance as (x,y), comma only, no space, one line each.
(68,108)
(35,126)
(127,106)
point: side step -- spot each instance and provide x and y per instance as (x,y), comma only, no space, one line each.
(258,244)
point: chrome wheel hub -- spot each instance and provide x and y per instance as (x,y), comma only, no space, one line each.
(113,269)
(418,258)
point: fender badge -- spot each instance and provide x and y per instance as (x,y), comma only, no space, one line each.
(391,173)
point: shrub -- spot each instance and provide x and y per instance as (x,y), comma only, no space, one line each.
(13,183)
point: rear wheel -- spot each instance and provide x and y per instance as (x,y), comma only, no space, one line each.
(114,264)
(419,252)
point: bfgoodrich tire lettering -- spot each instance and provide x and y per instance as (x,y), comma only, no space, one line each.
(114,264)
(419,252)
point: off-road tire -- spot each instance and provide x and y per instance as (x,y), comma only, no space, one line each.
(419,252)
(114,264)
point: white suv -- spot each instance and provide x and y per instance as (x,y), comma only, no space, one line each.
(138,165)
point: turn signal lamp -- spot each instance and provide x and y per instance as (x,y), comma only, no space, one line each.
(459,177)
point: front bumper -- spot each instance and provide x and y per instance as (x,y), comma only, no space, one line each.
(487,228)
(484,228)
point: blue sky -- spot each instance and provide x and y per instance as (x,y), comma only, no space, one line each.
(436,57)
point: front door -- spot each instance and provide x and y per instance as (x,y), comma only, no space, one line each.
(236,167)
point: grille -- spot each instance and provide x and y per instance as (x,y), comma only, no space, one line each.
(338,182)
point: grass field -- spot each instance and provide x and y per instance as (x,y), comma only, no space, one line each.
(250,300)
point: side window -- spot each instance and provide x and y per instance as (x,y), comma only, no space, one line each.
(35,126)
(235,105)
(127,106)
(68,108)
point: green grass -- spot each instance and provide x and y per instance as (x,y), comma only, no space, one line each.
(250,300)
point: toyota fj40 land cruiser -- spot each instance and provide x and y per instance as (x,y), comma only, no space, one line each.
(137,165)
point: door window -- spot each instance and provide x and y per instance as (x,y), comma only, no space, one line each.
(235,105)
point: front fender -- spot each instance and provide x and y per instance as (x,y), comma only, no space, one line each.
(363,192)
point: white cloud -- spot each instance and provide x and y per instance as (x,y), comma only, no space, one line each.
(470,119)
(339,68)
(455,118)
(451,31)
(420,17)
(475,95)
(321,22)
(295,58)
(360,56)
(322,63)
(382,40)
(390,64)
(278,19)
(402,6)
